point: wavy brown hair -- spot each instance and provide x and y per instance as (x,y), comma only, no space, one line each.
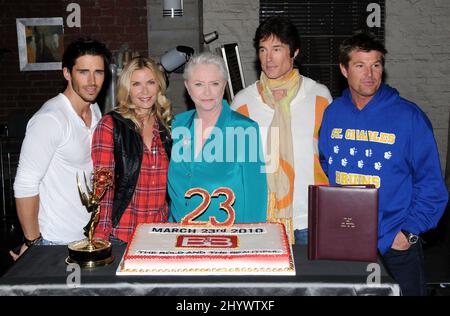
(363,41)
(162,107)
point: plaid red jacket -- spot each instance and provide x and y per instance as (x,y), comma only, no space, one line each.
(148,203)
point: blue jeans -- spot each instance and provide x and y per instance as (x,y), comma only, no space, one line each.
(407,268)
(301,236)
(46,242)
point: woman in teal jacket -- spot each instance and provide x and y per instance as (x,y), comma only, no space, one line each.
(216,168)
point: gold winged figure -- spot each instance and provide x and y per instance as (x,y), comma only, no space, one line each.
(102,180)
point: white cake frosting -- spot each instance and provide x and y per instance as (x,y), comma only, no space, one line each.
(170,248)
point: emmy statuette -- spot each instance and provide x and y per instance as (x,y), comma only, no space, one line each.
(92,252)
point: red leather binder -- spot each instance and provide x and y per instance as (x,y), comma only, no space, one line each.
(343,223)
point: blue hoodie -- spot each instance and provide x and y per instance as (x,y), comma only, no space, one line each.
(389,143)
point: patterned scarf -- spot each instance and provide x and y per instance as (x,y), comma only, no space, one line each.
(278,94)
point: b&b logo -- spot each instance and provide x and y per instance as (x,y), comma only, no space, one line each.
(199,241)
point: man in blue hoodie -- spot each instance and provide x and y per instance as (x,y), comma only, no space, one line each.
(371,135)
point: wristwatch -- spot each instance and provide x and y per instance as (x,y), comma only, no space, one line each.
(412,238)
(30,243)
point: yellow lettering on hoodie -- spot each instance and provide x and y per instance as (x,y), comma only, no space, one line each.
(350,134)
(344,178)
(336,133)
(361,135)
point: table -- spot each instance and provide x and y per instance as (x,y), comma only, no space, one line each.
(42,271)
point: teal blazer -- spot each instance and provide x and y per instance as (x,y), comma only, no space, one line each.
(231,157)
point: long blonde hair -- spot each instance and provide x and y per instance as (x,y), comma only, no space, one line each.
(162,107)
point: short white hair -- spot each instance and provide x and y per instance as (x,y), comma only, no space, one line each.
(205,58)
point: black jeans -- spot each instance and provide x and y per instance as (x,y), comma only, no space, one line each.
(116,241)
(407,268)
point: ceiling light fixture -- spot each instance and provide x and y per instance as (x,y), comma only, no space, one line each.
(172,8)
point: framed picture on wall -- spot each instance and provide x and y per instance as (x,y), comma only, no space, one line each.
(40,42)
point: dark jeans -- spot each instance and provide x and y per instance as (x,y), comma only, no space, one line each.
(116,241)
(407,268)
(301,236)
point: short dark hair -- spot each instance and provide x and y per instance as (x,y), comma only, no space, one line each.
(360,41)
(282,28)
(82,47)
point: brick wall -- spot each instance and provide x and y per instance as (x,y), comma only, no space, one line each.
(21,91)
(114,22)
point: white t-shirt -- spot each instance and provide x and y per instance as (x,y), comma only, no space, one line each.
(306,116)
(57,147)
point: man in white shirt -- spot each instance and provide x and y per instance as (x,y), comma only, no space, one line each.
(288,108)
(57,147)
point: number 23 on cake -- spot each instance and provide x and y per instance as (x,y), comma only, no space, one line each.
(208,248)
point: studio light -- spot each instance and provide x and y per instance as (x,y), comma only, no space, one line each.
(210,37)
(176,57)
